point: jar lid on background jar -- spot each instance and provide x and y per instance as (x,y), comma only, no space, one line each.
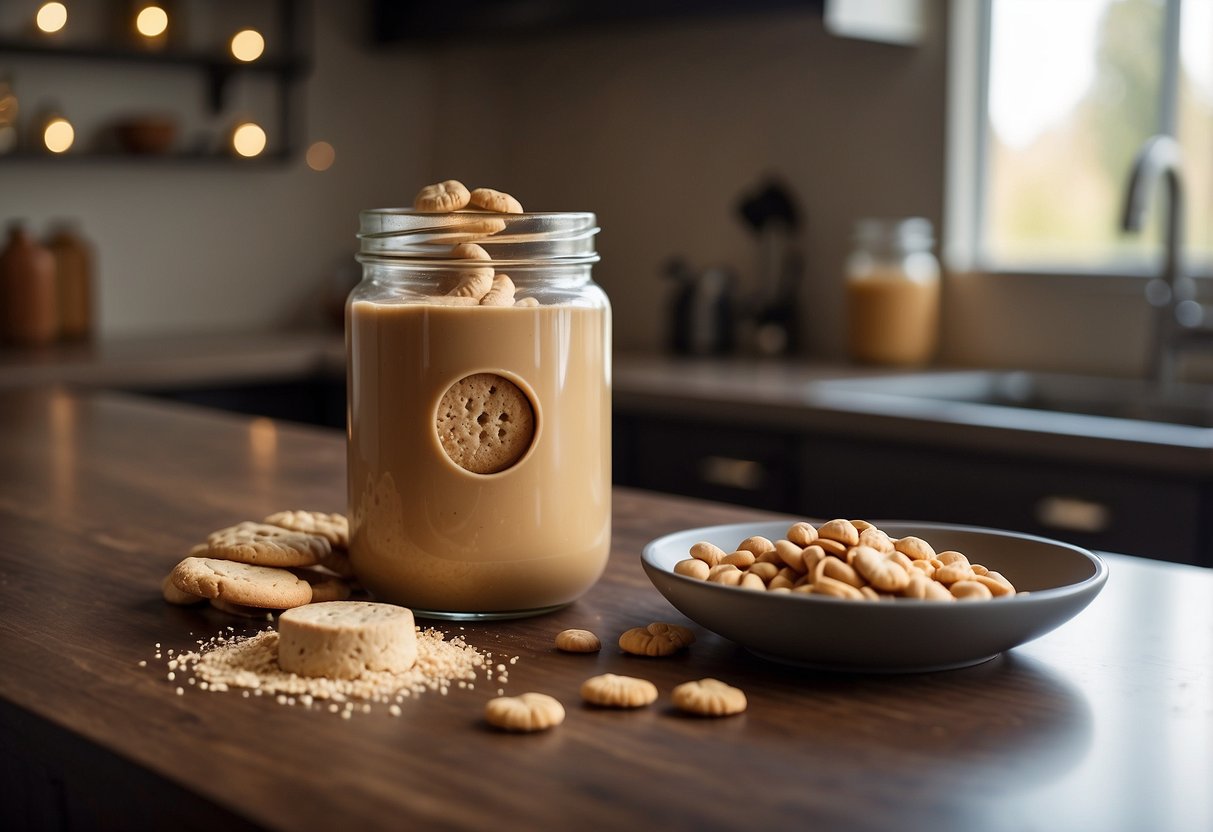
(903,233)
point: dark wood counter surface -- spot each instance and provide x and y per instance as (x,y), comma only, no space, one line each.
(1106,723)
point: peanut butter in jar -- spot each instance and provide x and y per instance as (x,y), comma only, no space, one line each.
(893,293)
(479,456)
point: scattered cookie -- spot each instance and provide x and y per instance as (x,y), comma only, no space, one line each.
(448,195)
(264,545)
(492,200)
(578,641)
(525,713)
(240,583)
(324,587)
(485,423)
(472,281)
(345,639)
(502,293)
(612,691)
(176,596)
(657,639)
(708,697)
(334,528)
(338,562)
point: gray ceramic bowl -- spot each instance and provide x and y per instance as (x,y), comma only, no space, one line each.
(903,636)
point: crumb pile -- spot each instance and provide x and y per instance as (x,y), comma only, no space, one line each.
(250,663)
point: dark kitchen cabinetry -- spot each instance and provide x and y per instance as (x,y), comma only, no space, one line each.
(753,467)
(1140,513)
(1151,514)
(316,400)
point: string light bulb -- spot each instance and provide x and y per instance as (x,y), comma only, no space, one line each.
(248,139)
(152,21)
(247,45)
(58,135)
(51,17)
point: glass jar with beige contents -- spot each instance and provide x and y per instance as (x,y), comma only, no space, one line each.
(892,293)
(479,412)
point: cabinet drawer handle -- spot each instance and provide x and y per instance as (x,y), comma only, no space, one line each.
(1073,514)
(729,472)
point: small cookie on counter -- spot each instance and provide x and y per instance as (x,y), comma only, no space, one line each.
(613,691)
(240,583)
(525,713)
(708,697)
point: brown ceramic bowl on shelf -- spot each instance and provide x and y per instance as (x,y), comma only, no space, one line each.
(146,135)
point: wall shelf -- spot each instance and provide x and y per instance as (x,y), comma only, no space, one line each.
(291,63)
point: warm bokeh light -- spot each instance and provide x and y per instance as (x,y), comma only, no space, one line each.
(248,139)
(152,21)
(263,444)
(58,135)
(320,156)
(247,45)
(51,17)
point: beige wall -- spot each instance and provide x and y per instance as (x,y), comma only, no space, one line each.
(656,127)
(659,129)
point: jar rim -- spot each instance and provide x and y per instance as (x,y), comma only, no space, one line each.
(536,238)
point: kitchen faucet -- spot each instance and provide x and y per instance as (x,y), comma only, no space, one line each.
(1178,316)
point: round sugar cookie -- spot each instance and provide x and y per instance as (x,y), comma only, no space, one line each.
(176,596)
(261,544)
(485,423)
(334,528)
(240,583)
(345,639)
(325,587)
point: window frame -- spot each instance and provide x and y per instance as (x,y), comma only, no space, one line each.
(964,248)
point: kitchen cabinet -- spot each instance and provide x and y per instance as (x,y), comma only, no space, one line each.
(314,400)
(824,475)
(751,467)
(1098,507)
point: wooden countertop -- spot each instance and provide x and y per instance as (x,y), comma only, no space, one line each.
(1106,723)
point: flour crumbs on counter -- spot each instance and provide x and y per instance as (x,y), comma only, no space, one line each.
(228,662)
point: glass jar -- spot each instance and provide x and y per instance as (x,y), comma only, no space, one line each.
(479,453)
(893,293)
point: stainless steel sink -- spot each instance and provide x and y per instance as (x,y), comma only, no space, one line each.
(1140,401)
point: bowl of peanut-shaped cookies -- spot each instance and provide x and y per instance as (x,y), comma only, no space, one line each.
(884,597)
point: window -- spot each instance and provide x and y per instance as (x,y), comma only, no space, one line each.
(1065,93)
